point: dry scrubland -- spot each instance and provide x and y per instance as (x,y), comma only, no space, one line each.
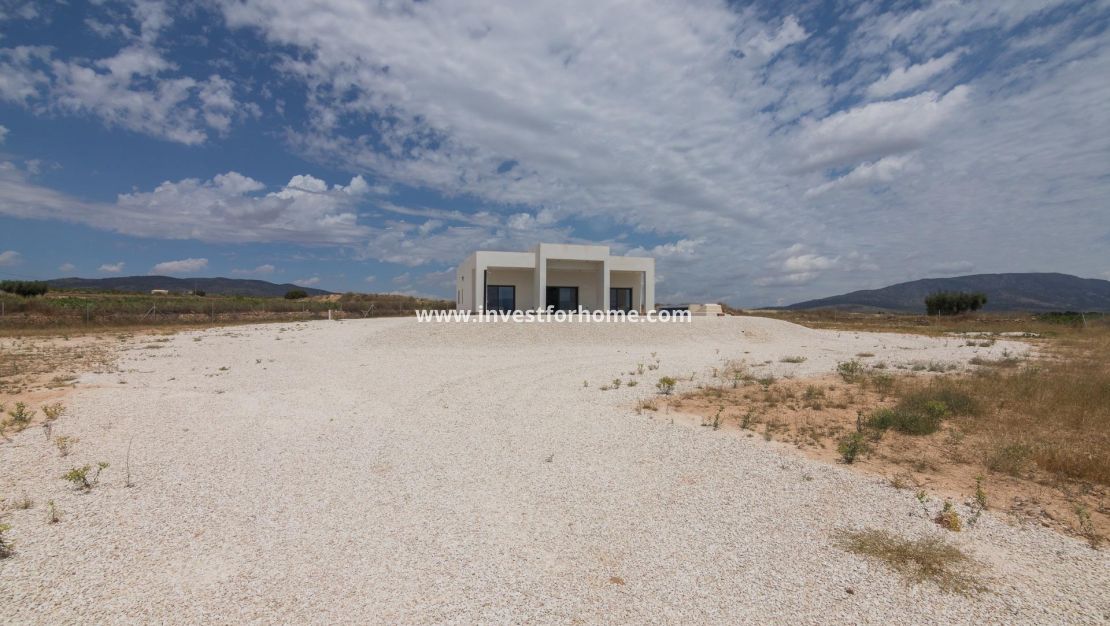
(389,471)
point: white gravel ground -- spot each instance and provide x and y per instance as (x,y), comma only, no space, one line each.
(385,471)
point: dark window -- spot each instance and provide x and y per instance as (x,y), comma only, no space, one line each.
(500,298)
(563,298)
(620,299)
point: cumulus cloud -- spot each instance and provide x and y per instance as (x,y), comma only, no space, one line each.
(112,268)
(183,266)
(136,88)
(307,282)
(9,258)
(66,267)
(229,207)
(3,133)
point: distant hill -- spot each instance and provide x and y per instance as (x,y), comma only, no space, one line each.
(1034,292)
(214,286)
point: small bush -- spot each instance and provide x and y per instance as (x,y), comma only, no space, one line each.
(954,302)
(65,444)
(81,479)
(850,371)
(666,385)
(53,411)
(296,294)
(20,415)
(949,518)
(793,359)
(852,446)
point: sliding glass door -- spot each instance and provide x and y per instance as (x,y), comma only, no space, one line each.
(500,298)
(563,298)
(620,299)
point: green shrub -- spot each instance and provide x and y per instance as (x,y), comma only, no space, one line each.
(295,294)
(850,371)
(666,385)
(906,421)
(852,447)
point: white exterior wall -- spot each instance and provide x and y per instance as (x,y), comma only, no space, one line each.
(519,278)
(590,268)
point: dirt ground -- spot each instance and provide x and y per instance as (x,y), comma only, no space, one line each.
(809,416)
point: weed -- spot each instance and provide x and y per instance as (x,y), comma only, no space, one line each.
(585,383)
(852,446)
(646,404)
(865,355)
(616,383)
(53,411)
(1013,459)
(949,518)
(5,543)
(793,359)
(23,503)
(65,444)
(766,381)
(906,422)
(53,515)
(633,383)
(666,385)
(1086,527)
(917,560)
(20,415)
(605,387)
(81,479)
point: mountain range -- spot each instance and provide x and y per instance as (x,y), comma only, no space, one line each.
(214,286)
(1034,292)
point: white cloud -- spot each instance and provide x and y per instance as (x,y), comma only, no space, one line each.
(66,267)
(3,133)
(903,79)
(262,270)
(370,279)
(876,129)
(136,88)
(9,258)
(112,268)
(227,208)
(307,282)
(884,170)
(183,266)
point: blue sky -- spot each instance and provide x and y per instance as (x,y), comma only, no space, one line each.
(764,153)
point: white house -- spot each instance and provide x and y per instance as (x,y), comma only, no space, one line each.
(560,275)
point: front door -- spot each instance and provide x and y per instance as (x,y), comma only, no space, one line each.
(563,298)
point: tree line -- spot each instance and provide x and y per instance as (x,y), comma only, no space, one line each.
(954,302)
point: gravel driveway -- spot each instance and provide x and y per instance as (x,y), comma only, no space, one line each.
(385,471)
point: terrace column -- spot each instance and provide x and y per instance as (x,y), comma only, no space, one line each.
(604,282)
(479,284)
(539,280)
(649,287)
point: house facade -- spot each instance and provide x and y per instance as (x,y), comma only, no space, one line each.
(563,276)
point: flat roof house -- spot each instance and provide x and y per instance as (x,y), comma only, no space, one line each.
(564,276)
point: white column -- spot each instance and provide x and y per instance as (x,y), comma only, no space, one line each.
(649,287)
(479,285)
(539,280)
(604,299)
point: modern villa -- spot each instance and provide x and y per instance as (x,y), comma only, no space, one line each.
(562,276)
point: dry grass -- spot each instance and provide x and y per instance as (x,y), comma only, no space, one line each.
(1039,430)
(929,559)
